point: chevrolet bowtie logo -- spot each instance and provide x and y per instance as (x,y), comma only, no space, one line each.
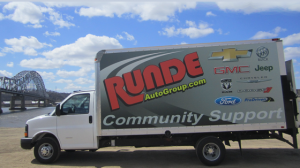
(231,54)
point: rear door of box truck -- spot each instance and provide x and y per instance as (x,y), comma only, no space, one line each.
(292,86)
(229,86)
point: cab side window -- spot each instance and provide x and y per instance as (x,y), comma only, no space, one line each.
(77,104)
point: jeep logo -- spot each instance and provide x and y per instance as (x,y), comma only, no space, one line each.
(264,68)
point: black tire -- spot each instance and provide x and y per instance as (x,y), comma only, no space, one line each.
(47,150)
(210,150)
(70,151)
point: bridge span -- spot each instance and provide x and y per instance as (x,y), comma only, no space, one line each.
(25,83)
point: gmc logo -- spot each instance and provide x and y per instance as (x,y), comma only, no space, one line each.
(235,69)
(151,77)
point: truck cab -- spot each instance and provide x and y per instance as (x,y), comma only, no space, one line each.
(70,126)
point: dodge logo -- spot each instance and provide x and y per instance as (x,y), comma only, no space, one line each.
(226,84)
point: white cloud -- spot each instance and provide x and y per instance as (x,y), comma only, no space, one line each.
(57,19)
(5,73)
(183,42)
(83,81)
(2,54)
(68,17)
(220,31)
(129,37)
(32,14)
(158,11)
(80,72)
(119,36)
(93,75)
(71,86)
(81,53)
(191,23)
(248,7)
(46,75)
(273,33)
(292,39)
(41,63)
(202,30)
(209,13)
(25,12)
(63,81)
(24,44)
(83,47)
(291,52)
(10,64)
(2,16)
(51,33)
(169,31)
(92,87)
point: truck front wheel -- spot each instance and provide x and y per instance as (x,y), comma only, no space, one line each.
(47,150)
(210,150)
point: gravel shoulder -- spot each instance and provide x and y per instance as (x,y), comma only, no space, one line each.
(259,153)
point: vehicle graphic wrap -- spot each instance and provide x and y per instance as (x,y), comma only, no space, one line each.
(181,87)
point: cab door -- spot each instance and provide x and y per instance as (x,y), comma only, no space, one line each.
(74,125)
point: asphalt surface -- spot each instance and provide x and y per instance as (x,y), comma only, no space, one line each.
(255,153)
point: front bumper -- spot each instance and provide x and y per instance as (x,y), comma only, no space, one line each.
(26,143)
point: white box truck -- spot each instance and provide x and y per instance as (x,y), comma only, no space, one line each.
(201,95)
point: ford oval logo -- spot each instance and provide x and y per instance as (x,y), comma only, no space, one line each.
(228,100)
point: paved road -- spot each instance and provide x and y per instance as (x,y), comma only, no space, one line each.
(17,118)
(256,153)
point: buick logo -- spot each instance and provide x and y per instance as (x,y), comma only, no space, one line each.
(228,100)
(262,52)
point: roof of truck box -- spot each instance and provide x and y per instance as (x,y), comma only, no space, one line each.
(189,45)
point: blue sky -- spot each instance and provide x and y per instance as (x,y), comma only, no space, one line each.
(60,40)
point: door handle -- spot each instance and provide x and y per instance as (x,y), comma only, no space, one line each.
(90,119)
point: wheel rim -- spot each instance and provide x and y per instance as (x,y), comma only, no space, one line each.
(211,151)
(45,151)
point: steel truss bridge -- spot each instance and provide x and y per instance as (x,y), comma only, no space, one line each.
(25,83)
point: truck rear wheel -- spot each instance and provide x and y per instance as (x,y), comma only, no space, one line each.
(47,150)
(210,150)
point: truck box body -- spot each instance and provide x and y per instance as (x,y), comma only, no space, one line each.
(230,86)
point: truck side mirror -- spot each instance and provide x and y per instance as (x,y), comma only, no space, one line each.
(57,110)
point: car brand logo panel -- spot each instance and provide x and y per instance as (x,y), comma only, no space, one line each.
(230,54)
(228,100)
(262,53)
(226,85)
(259,99)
